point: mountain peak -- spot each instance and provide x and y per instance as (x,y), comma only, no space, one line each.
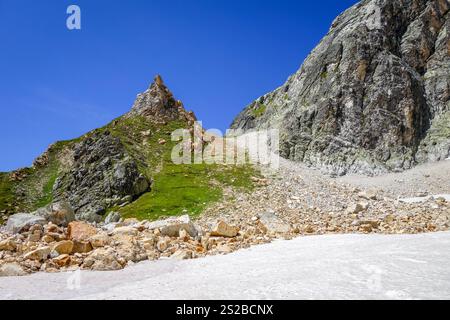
(158,103)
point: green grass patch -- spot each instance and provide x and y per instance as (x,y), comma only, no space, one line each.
(178,189)
(7,196)
(259,111)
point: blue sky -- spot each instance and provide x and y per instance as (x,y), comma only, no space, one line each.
(215,55)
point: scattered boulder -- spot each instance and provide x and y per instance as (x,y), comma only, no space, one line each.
(103,259)
(62,260)
(80,231)
(224,249)
(182,255)
(355,208)
(112,217)
(22,221)
(368,194)
(99,240)
(81,247)
(59,213)
(222,229)
(162,245)
(273,224)
(40,254)
(64,247)
(90,216)
(171,227)
(11,270)
(125,230)
(8,245)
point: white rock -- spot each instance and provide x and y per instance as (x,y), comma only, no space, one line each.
(171,227)
(273,223)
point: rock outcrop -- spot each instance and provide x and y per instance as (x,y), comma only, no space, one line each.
(102,169)
(372,97)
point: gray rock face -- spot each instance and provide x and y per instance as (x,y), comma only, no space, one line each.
(22,221)
(101,169)
(372,97)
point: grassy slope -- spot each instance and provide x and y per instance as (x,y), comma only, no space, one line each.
(175,187)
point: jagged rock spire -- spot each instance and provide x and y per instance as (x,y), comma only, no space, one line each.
(158,104)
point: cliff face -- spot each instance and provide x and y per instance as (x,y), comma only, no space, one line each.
(372,97)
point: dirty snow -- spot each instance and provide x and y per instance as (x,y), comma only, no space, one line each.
(316,267)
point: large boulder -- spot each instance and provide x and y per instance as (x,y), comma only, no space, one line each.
(273,224)
(11,270)
(171,227)
(59,213)
(39,254)
(23,221)
(80,231)
(222,229)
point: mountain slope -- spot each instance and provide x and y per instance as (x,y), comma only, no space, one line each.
(372,97)
(124,166)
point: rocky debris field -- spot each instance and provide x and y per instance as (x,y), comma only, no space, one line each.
(294,201)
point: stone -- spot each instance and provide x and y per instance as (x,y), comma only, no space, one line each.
(103,259)
(81,246)
(184,235)
(222,229)
(273,224)
(125,230)
(112,217)
(8,245)
(310,229)
(59,213)
(162,245)
(63,247)
(171,227)
(80,231)
(366,228)
(62,260)
(368,195)
(11,270)
(224,248)
(35,236)
(355,208)
(99,240)
(182,255)
(23,221)
(40,254)
(48,239)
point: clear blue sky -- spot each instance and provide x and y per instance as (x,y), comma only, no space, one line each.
(215,55)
